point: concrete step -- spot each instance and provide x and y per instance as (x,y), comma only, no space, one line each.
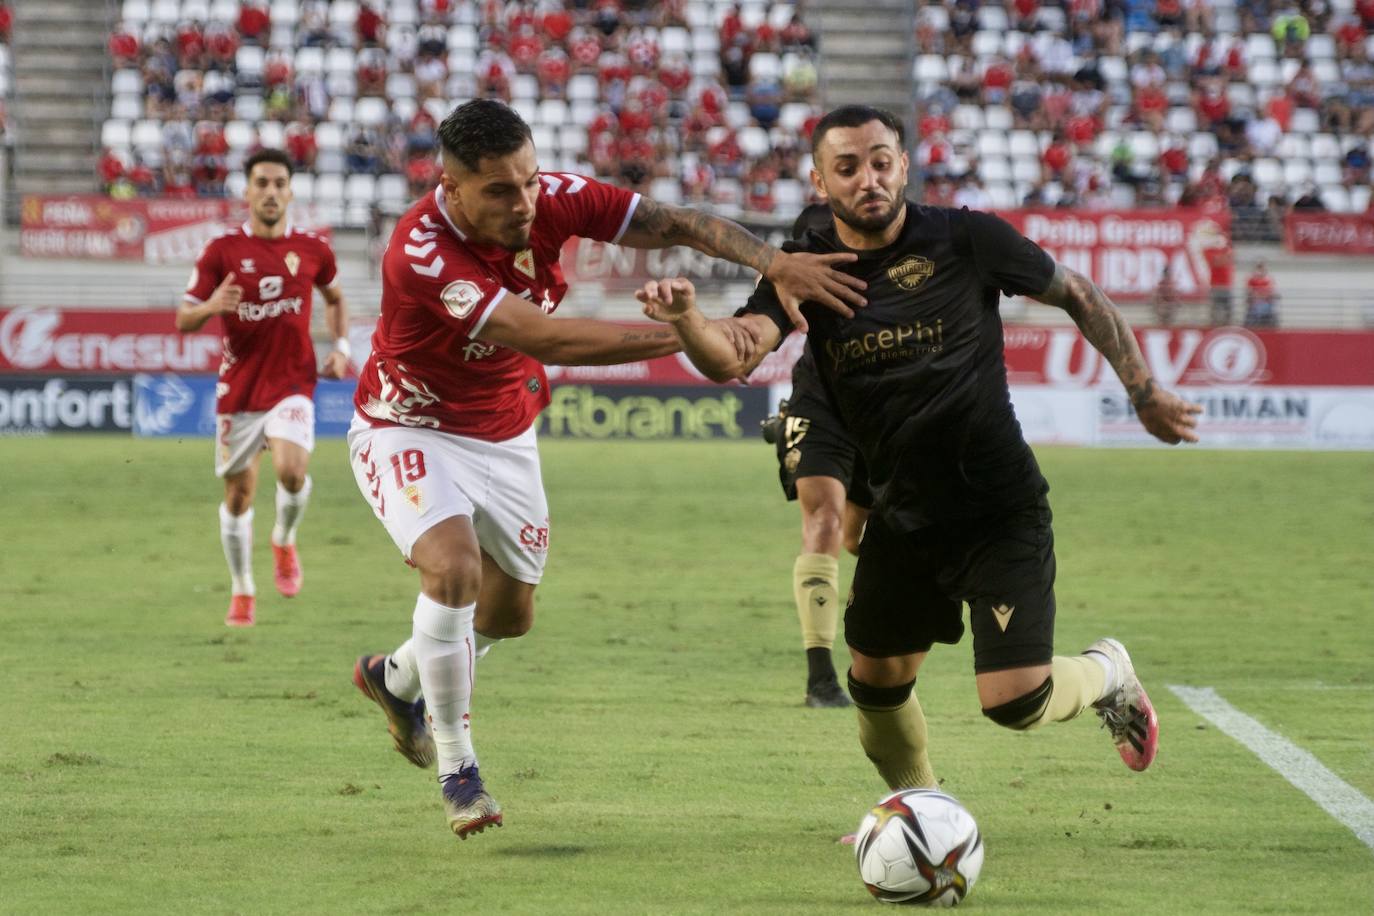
(50,158)
(36,183)
(64,11)
(43,60)
(844,43)
(67,85)
(72,102)
(880,69)
(827,22)
(63,134)
(81,42)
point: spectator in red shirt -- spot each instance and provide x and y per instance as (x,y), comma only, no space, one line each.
(276,70)
(6,21)
(371,73)
(494,72)
(255,25)
(1081,130)
(1261,299)
(1057,158)
(124,47)
(222,46)
(190,42)
(1280,108)
(934,121)
(553,70)
(524,48)
(369,25)
(176,182)
(143,179)
(1211,105)
(556,25)
(796,36)
(731,26)
(758,184)
(675,73)
(1173,160)
(1025,12)
(1364,9)
(1219,268)
(110,169)
(1151,106)
(585,49)
(300,144)
(996,81)
(422,174)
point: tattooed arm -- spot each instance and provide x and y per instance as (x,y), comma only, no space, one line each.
(523,326)
(798,276)
(1166,416)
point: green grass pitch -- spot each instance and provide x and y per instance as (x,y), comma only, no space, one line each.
(647,739)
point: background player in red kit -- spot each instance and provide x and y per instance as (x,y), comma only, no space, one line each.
(258,279)
(443,444)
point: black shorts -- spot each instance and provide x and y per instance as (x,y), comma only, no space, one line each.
(909,589)
(813,443)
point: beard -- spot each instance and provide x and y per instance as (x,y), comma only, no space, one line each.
(270,218)
(870,222)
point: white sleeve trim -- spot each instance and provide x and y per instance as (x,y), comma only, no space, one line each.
(625,224)
(486,312)
(192,299)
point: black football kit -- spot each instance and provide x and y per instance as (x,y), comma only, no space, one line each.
(918,381)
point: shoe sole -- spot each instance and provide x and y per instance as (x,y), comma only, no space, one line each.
(238,623)
(477,826)
(1137,759)
(422,755)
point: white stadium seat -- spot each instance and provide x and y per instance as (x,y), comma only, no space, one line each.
(116,134)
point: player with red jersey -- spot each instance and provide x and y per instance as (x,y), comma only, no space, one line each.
(258,279)
(443,443)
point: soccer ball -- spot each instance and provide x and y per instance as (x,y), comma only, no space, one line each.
(919,846)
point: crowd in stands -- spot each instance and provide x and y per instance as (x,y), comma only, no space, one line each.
(1254,105)
(1259,106)
(694,101)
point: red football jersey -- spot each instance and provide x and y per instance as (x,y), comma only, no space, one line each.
(429,368)
(267,350)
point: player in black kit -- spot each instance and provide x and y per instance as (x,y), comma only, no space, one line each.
(961,515)
(820,468)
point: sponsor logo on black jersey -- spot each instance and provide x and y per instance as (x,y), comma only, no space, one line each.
(901,342)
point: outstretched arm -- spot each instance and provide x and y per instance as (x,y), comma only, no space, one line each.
(523,326)
(1164,414)
(798,276)
(714,347)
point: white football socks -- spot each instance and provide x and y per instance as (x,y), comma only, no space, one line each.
(1109,667)
(402,677)
(236,534)
(290,511)
(441,642)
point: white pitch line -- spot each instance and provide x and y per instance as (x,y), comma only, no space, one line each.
(1307,774)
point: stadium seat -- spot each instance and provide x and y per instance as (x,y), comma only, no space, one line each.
(1002,196)
(343,14)
(1267,172)
(309,61)
(994,169)
(165,12)
(392,190)
(753,141)
(1296,172)
(341,83)
(116,133)
(1335,197)
(303,187)
(1305,121)
(371,111)
(525,87)
(789,195)
(341,110)
(240,135)
(134,13)
(666,191)
(284,12)
(341,60)
(248,107)
(1359,198)
(992,143)
(553,113)
(931,68)
(128,107)
(572,139)
(225,11)
(236,182)
(1325,146)
(1023,143)
(1294,146)
(997,117)
(1182,120)
(463,38)
(271,134)
(545,140)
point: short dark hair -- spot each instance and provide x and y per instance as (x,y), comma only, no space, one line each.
(856,116)
(275,156)
(481,128)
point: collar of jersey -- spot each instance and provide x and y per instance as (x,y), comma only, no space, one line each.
(248,231)
(485,252)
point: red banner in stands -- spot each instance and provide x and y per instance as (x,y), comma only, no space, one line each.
(103,340)
(1197,357)
(1334,233)
(1126,251)
(1060,357)
(158,231)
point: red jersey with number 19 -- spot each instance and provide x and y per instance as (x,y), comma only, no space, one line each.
(429,368)
(268,355)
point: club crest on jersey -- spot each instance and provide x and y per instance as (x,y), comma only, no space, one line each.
(412,495)
(911,271)
(246,266)
(524,262)
(293,261)
(460,297)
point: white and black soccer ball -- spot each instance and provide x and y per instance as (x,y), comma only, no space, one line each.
(919,846)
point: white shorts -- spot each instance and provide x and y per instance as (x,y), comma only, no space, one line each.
(416,478)
(240,436)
